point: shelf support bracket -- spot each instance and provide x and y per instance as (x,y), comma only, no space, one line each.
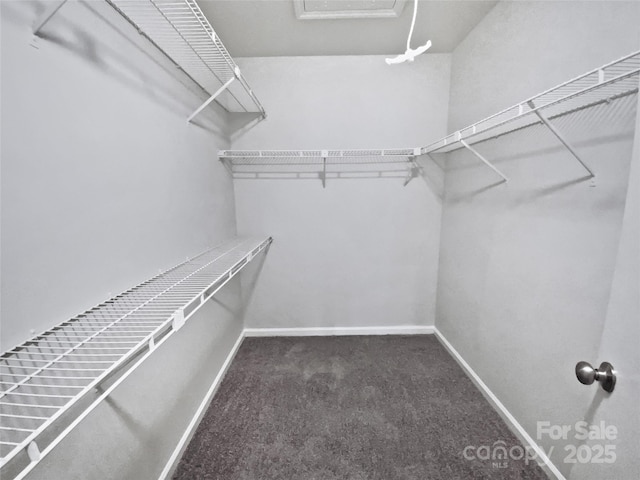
(323,175)
(484,160)
(33,452)
(178,319)
(559,136)
(414,171)
(211,99)
(46,16)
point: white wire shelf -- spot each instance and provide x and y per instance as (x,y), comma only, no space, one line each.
(322,164)
(44,378)
(604,84)
(181,30)
(183,33)
(613,80)
(310,157)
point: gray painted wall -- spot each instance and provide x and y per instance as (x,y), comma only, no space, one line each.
(103,184)
(101,173)
(362,252)
(103,181)
(526,268)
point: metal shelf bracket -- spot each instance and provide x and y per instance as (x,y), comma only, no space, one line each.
(559,136)
(214,96)
(323,175)
(414,169)
(178,319)
(47,15)
(33,452)
(484,160)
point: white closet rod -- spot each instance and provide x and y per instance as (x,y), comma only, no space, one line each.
(73,358)
(180,30)
(610,81)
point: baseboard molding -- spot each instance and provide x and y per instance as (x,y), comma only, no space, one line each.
(334,331)
(511,421)
(172,463)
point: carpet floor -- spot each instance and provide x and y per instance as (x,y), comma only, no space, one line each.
(350,408)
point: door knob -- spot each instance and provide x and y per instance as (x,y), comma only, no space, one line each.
(587,375)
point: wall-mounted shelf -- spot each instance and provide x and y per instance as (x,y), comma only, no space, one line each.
(46,382)
(183,33)
(609,82)
(237,157)
(321,164)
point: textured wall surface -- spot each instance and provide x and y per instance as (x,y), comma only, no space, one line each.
(363,251)
(526,267)
(103,184)
(103,180)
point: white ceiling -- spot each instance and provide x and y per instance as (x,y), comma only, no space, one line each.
(266,28)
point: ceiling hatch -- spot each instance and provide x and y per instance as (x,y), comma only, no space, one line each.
(347,9)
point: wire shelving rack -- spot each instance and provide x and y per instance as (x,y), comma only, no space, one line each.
(182,32)
(604,84)
(47,376)
(323,164)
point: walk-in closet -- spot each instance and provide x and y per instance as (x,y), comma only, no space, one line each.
(317,239)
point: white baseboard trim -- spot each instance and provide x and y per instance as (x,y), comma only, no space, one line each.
(172,463)
(333,331)
(515,426)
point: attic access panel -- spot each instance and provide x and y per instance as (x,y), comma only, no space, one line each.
(347,9)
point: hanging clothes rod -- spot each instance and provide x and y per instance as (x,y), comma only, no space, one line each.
(180,30)
(83,355)
(610,81)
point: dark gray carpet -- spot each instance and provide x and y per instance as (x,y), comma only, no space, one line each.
(352,408)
